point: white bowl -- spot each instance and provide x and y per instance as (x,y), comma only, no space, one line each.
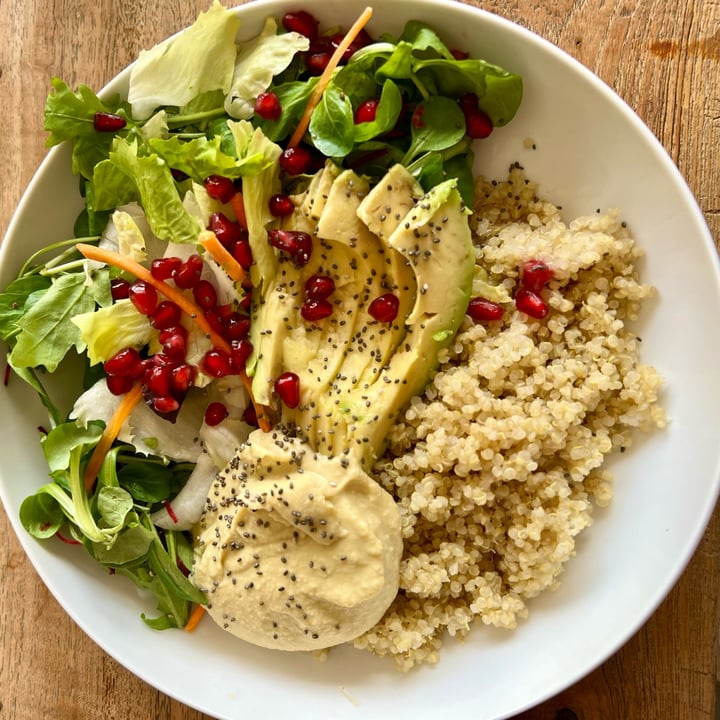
(591,152)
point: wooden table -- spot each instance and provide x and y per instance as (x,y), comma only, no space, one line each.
(661,57)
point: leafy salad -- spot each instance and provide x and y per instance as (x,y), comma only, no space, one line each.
(182,180)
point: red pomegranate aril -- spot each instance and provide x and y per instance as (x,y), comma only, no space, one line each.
(241,350)
(220,188)
(536,274)
(158,380)
(531,303)
(384,308)
(295,160)
(119,289)
(287,386)
(119,384)
(301,22)
(482,310)
(366,111)
(166,333)
(216,322)
(167,314)
(165,404)
(125,363)
(316,62)
(267,106)
(250,415)
(143,296)
(281,205)
(188,276)
(175,348)
(108,122)
(459,54)
(215,413)
(165,268)
(242,252)
(205,295)
(319,287)
(478,125)
(237,327)
(295,243)
(313,310)
(182,377)
(216,363)
(361,40)
(227,231)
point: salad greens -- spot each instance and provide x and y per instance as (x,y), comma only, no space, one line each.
(143,165)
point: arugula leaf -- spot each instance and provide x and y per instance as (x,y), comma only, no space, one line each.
(48,332)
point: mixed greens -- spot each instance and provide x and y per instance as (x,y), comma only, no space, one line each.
(149,167)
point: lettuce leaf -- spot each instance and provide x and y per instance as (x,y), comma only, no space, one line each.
(198,60)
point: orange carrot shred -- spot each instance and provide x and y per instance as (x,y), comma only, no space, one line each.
(238,206)
(188,306)
(111,431)
(224,259)
(195,617)
(326,76)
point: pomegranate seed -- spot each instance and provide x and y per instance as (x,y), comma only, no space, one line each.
(295,160)
(216,322)
(220,188)
(361,40)
(246,302)
(158,380)
(166,333)
(125,363)
(119,384)
(205,295)
(301,22)
(108,122)
(478,125)
(182,377)
(482,310)
(215,413)
(241,350)
(143,296)
(167,314)
(237,327)
(165,268)
(319,287)
(295,243)
(227,231)
(536,275)
(459,54)
(384,308)
(281,205)
(313,310)
(287,386)
(165,404)
(188,276)
(315,63)
(250,415)
(242,252)
(216,363)
(175,348)
(119,288)
(267,106)
(366,111)
(531,303)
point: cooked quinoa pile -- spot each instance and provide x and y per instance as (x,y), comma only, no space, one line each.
(496,468)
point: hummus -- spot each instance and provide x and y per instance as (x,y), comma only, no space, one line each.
(296,550)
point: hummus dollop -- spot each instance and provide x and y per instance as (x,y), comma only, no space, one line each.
(296,550)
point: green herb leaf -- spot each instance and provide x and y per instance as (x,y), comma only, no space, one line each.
(437,124)
(331,125)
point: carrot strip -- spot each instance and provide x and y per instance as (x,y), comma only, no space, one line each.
(224,259)
(111,431)
(326,76)
(113,258)
(238,206)
(195,617)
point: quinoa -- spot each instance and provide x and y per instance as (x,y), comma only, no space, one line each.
(497,467)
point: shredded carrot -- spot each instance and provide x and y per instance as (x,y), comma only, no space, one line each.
(238,206)
(224,259)
(188,306)
(326,76)
(111,431)
(195,617)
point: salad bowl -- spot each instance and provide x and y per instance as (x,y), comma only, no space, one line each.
(587,150)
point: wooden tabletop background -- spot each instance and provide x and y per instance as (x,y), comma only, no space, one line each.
(661,57)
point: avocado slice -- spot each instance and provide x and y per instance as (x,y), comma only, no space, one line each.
(357,374)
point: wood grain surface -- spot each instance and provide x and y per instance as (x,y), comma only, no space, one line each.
(661,57)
